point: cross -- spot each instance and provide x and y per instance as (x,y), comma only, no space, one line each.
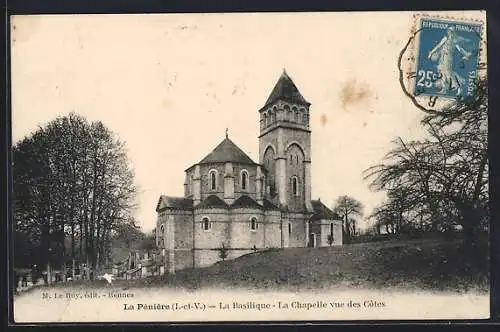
(226,133)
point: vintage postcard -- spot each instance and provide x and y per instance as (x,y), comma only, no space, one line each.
(250,167)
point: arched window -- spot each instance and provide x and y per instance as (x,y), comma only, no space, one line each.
(295,186)
(161,236)
(288,113)
(331,229)
(289,228)
(302,116)
(213,179)
(205,224)
(295,115)
(297,158)
(253,224)
(244,179)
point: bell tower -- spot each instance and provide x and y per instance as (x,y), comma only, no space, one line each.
(285,146)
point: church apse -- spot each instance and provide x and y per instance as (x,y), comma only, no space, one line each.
(242,206)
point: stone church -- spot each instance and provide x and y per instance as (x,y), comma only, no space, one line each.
(235,203)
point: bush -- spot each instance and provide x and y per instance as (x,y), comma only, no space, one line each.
(223,252)
(330,240)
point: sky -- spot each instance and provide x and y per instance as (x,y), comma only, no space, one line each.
(170,84)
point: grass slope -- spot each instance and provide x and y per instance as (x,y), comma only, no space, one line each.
(430,264)
(423,264)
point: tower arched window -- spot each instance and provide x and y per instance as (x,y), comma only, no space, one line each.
(295,115)
(205,223)
(253,224)
(288,113)
(302,116)
(213,179)
(244,179)
(295,186)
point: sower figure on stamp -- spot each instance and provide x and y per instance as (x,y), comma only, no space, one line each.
(443,53)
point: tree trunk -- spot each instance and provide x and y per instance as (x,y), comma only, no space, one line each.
(49,275)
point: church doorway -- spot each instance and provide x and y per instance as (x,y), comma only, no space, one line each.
(312,240)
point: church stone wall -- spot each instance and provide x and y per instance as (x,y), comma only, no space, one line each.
(251,185)
(205,180)
(242,236)
(219,231)
(183,229)
(272,229)
(298,235)
(322,231)
(183,259)
(205,257)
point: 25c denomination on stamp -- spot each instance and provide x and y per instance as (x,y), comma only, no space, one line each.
(442,61)
(447,58)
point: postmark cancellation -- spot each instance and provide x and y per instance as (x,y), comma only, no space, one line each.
(443,60)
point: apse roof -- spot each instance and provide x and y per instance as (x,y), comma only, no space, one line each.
(227,151)
(171,202)
(212,201)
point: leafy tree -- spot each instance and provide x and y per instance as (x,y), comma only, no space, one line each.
(148,243)
(71,179)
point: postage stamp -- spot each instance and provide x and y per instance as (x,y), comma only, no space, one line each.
(447,58)
(207,211)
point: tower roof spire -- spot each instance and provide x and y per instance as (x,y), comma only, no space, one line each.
(286,90)
(227,135)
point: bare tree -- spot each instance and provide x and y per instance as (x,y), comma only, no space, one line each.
(348,207)
(444,176)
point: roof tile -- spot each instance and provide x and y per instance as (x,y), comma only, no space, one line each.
(227,151)
(286,90)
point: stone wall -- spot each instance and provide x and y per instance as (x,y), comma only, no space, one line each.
(325,230)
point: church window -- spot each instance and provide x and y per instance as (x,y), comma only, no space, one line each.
(289,228)
(297,158)
(302,116)
(273,116)
(331,229)
(161,236)
(288,113)
(213,179)
(205,223)
(295,115)
(295,186)
(253,224)
(244,179)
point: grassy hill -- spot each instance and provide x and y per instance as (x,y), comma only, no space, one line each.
(431,264)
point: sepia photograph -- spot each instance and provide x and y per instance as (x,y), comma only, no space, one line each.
(249,167)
